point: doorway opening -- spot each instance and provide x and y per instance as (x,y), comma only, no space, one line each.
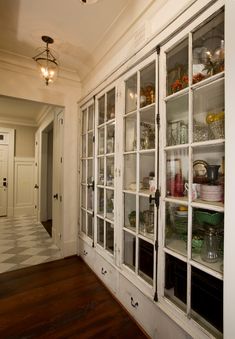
(47,178)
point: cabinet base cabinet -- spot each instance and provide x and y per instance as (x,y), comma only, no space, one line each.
(87,253)
(146,313)
(106,272)
(143,309)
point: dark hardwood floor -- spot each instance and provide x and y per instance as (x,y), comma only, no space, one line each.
(60,299)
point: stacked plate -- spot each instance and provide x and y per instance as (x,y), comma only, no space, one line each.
(211,192)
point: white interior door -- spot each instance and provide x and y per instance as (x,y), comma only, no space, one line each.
(3,179)
(57,209)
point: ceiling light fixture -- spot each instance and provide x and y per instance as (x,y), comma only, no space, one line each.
(88,2)
(46,61)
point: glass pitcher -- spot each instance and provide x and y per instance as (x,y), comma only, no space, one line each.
(210,248)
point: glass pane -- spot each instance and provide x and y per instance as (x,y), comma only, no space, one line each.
(90,172)
(208,238)
(147,176)
(83,221)
(146,261)
(176,281)
(129,250)
(101,141)
(208,49)
(90,144)
(130,211)
(177,173)
(84,121)
(177,68)
(147,129)
(176,227)
(131,94)
(147,85)
(100,171)
(83,196)
(100,231)
(130,172)
(83,171)
(208,112)
(110,138)
(90,226)
(109,204)
(90,117)
(101,109)
(146,217)
(109,237)
(177,120)
(84,146)
(208,172)
(207,299)
(110,171)
(111,104)
(90,198)
(100,206)
(130,133)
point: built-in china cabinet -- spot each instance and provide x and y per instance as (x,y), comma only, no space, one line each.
(152,175)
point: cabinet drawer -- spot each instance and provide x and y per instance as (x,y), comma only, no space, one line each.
(138,305)
(106,272)
(87,253)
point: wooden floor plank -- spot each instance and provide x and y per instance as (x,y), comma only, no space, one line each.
(61,299)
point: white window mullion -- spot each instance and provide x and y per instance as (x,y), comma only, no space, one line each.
(190,174)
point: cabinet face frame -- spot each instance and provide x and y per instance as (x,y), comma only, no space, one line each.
(107,155)
(87,159)
(141,157)
(191,147)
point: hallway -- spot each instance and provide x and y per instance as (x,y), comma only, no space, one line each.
(24,242)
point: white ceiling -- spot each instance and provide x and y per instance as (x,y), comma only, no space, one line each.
(78,31)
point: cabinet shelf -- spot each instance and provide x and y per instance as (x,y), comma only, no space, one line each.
(176,147)
(214,206)
(147,107)
(210,80)
(215,269)
(147,236)
(210,143)
(177,94)
(178,200)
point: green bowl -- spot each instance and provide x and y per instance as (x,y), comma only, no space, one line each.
(210,218)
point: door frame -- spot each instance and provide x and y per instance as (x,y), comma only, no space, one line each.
(58,156)
(10,169)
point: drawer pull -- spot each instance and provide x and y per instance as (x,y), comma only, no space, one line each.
(85,252)
(103,271)
(133,304)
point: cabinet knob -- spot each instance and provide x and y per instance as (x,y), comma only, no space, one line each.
(85,252)
(103,271)
(134,304)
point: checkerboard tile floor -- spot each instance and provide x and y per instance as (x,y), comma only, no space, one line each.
(24,242)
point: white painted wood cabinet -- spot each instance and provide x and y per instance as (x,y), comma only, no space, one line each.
(152,182)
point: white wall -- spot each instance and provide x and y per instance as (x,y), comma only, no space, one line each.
(24,139)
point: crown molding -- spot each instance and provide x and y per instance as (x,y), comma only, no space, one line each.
(20,122)
(20,64)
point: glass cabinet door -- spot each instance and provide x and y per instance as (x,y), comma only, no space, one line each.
(105,159)
(87,172)
(139,183)
(193,199)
